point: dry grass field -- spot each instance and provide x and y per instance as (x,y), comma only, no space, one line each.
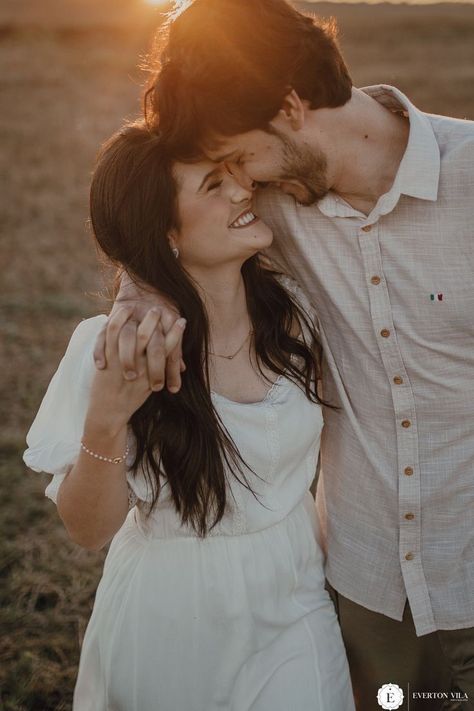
(68,78)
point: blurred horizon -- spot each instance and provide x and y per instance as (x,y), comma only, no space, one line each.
(55,12)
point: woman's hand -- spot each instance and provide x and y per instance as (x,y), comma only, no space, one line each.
(114,399)
(163,367)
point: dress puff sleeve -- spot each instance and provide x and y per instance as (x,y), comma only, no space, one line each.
(55,435)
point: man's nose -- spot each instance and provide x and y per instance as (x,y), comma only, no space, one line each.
(241,176)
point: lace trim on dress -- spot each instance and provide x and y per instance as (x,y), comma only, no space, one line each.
(132,498)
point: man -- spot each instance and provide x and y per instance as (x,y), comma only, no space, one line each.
(371,207)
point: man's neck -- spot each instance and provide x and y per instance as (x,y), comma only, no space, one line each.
(371,142)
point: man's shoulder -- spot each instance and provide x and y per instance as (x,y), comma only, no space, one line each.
(455,138)
(271,199)
(277,209)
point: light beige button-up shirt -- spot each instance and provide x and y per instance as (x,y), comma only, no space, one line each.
(394,294)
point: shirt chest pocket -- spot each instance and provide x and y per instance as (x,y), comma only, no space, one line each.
(447,308)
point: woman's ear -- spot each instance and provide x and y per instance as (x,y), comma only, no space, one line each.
(173,239)
(173,243)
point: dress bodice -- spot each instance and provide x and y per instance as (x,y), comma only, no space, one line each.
(278,439)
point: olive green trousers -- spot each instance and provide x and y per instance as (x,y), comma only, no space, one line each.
(435,671)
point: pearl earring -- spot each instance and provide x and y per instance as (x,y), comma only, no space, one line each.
(175,251)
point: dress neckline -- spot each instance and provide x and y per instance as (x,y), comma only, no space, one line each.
(268,395)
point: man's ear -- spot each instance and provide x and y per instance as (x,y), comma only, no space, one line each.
(292,111)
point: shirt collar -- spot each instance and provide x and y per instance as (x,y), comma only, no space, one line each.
(419,169)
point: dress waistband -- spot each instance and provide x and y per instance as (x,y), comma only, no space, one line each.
(165,523)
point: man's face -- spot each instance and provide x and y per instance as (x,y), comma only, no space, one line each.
(277,159)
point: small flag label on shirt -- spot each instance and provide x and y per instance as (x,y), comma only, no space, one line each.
(436,297)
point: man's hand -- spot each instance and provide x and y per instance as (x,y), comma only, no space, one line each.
(162,369)
(113,399)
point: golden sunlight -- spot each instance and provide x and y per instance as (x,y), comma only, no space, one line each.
(155,2)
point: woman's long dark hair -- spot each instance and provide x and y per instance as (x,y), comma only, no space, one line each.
(134,206)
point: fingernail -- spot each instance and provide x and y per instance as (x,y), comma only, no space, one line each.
(156,387)
(130,375)
(181,322)
(173,389)
(99,363)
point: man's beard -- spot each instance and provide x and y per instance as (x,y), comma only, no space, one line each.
(306,167)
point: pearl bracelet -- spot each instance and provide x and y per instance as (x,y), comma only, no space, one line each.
(110,460)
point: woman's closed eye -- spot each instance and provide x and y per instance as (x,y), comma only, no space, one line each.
(215,184)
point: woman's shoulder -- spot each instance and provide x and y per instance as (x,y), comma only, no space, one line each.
(77,363)
(290,284)
(87,329)
(297,292)
(84,336)
(310,323)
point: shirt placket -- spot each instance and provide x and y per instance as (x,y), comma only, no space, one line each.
(409,487)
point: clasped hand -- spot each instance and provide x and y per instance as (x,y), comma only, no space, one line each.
(132,359)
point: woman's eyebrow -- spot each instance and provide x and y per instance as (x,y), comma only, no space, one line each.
(211,173)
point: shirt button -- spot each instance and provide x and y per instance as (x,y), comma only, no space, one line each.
(385,333)
(408,471)
(398,380)
(366,228)
(406,424)
(375,280)
(409,556)
(409,516)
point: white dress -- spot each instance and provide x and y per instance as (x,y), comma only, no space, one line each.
(239,621)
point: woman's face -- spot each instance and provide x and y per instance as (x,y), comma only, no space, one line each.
(218,226)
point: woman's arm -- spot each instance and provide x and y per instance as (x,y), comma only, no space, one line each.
(93,498)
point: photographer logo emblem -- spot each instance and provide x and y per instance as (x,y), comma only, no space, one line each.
(390,697)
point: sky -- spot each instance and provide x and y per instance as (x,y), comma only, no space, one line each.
(310,2)
(406,2)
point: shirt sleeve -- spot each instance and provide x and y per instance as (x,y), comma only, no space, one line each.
(55,436)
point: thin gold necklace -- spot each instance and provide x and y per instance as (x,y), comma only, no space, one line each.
(230,357)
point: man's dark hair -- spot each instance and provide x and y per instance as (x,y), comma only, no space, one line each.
(227,65)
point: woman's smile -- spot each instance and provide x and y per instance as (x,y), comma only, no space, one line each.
(245,219)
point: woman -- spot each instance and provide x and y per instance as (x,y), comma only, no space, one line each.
(213,593)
